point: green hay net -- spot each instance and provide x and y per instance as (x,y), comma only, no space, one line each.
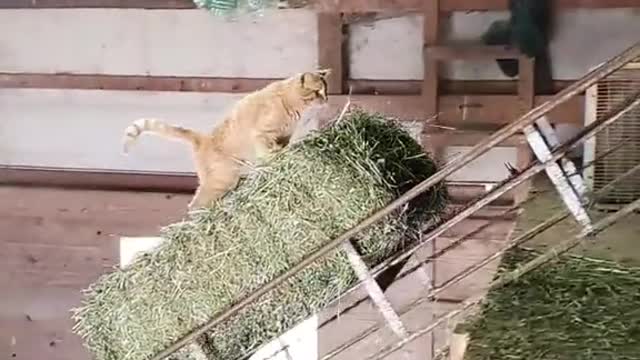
(304,197)
(573,308)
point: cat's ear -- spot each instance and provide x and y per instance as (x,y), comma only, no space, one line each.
(324,72)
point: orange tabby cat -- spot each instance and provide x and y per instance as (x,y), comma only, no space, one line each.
(258,125)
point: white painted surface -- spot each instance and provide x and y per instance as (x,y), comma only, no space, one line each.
(487,168)
(392,48)
(299,343)
(158,42)
(84,128)
(193,43)
(132,247)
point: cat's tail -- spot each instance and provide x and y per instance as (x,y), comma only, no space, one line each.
(133,131)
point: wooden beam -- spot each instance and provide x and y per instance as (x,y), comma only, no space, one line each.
(92,179)
(484,110)
(526,82)
(129,4)
(330,45)
(444,138)
(139,4)
(431,35)
(456,110)
(242,85)
(149,182)
(347,6)
(358,6)
(471,52)
(122,82)
(446,86)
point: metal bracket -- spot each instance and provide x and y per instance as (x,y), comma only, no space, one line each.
(375,292)
(563,174)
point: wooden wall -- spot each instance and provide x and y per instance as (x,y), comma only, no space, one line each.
(55,242)
(70,88)
(71,79)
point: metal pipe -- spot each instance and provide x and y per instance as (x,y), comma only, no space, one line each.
(498,137)
(528,235)
(499,190)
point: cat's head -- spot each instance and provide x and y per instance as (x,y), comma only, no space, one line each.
(313,86)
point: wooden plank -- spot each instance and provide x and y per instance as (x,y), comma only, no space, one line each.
(54,243)
(67,238)
(177,187)
(442,137)
(98,180)
(485,110)
(131,83)
(526,82)
(471,52)
(158,43)
(355,6)
(572,51)
(330,41)
(49,339)
(243,85)
(324,5)
(121,4)
(95,120)
(473,248)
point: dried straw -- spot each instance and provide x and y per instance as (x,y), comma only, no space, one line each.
(573,308)
(304,197)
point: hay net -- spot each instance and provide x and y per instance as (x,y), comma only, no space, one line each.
(306,196)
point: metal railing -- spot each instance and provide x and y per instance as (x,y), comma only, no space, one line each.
(496,138)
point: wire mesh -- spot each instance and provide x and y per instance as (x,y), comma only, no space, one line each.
(613,91)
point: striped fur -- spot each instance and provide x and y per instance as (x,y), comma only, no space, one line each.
(258,125)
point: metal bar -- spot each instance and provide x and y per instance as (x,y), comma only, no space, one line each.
(514,275)
(521,239)
(430,295)
(498,137)
(375,293)
(524,175)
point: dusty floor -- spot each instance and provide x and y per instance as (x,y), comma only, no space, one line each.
(620,242)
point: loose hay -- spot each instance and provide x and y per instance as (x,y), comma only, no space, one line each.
(574,308)
(307,196)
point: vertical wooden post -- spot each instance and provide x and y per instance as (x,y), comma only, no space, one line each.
(330,41)
(526,95)
(526,82)
(431,35)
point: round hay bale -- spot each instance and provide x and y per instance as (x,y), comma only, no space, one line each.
(306,196)
(571,308)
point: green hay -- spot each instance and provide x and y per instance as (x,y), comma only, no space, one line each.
(306,196)
(574,308)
